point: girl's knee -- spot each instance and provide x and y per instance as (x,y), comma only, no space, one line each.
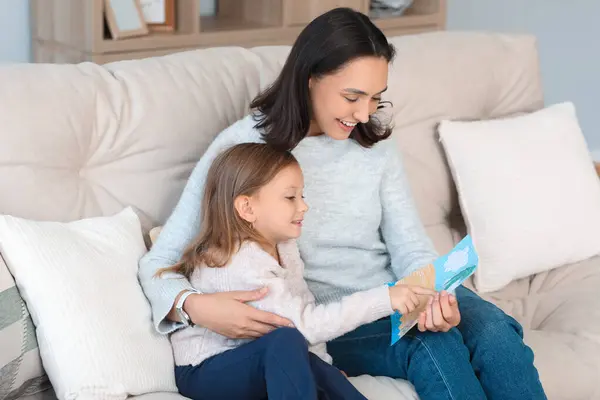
(288,337)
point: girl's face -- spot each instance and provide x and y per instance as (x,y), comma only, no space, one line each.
(278,207)
(351,95)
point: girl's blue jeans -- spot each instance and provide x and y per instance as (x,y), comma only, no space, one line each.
(278,366)
(483,358)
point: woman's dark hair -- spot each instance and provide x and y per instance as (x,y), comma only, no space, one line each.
(323,47)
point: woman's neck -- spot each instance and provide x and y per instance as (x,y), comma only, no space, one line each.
(314,129)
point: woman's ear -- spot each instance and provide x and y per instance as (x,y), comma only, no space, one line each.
(243,206)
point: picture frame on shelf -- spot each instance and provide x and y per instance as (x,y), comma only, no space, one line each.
(159,15)
(125,19)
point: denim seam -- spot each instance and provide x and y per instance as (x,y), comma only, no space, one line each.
(437,366)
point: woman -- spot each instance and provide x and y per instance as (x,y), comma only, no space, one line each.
(364,229)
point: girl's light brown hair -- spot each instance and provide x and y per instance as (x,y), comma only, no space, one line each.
(239,171)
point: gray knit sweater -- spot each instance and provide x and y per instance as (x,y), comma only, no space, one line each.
(361,231)
(289,296)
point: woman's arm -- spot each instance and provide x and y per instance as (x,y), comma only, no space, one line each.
(403,232)
(180,229)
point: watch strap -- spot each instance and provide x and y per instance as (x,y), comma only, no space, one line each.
(184,317)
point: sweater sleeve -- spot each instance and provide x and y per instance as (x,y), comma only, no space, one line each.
(181,227)
(290,297)
(402,230)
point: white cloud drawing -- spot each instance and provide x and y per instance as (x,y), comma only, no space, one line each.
(457,260)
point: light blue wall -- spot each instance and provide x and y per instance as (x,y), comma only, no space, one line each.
(568,35)
(14,25)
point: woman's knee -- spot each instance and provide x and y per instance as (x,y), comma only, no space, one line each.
(481,319)
(493,333)
(501,335)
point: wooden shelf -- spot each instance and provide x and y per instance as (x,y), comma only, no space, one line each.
(301,12)
(79,35)
(158,40)
(216,24)
(422,14)
(406,21)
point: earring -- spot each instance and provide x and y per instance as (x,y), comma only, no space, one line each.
(383,103)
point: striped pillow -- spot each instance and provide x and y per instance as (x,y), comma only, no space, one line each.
(21,371)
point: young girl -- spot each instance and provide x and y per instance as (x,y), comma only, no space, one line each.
(253,211)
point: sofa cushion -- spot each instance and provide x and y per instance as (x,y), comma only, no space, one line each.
(95,139)
(93,322)
(21,371)
(560,314)
(528,191)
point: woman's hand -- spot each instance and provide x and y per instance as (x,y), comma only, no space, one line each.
(226,314)
(441,314)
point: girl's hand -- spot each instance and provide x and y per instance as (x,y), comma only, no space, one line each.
(405,298)
(441,314)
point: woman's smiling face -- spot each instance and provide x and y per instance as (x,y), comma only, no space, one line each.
(341,100)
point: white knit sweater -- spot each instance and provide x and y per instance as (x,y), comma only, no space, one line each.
(288,296)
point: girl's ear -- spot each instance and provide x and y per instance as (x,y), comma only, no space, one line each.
(243,206)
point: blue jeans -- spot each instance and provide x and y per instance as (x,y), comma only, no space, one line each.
(278,366)
(483,358)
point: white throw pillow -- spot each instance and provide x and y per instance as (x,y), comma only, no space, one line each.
(93,322)
(528,192)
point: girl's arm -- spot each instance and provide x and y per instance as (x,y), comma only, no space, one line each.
(403,232)
(182,226)
(290,298)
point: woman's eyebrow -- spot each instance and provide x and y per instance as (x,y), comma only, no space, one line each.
(361,92)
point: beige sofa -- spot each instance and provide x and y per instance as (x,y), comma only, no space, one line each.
(86,140)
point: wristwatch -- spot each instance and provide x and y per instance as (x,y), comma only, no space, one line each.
(183,316)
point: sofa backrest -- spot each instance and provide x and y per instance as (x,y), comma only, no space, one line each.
(86,140)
